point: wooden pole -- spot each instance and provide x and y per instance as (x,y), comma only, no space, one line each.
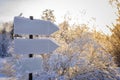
(31,55)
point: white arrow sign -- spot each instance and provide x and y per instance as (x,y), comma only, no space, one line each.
(35,27)
(37,46)
(29,65)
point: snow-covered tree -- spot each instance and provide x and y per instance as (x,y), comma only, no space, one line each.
(5,39)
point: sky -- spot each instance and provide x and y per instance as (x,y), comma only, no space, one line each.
(93,12)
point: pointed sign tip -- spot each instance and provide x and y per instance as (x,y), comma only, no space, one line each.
(36,27)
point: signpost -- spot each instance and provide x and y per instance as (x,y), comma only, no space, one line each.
(34,27)
(29,65)
(36,46)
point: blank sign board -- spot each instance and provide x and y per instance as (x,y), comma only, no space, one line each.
(34,46)
(29,65)
(36,27)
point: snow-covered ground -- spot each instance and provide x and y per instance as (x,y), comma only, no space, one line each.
(4,76)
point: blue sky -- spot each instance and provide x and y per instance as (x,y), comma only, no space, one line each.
(95,12)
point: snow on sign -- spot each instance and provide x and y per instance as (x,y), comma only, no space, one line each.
(33,46)
(29,65)
(36,27)
(38,46)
